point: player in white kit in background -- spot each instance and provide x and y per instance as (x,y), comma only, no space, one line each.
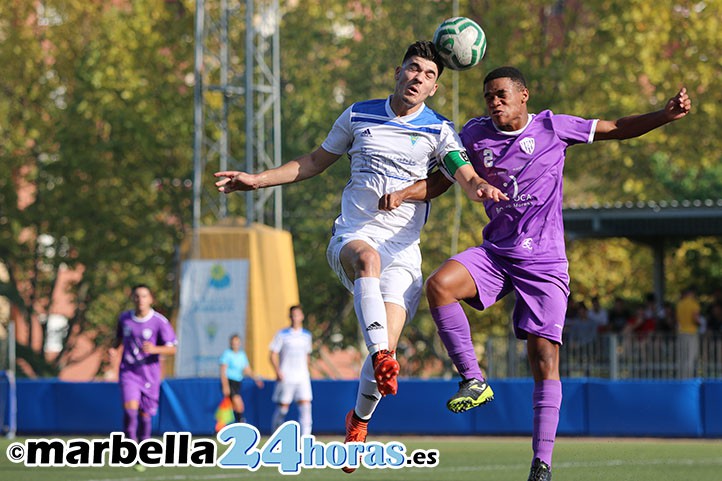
(290,357)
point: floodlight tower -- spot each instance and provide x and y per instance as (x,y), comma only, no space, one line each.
(237,104)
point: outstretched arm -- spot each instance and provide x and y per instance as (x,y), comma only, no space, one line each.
(426,189)
(476,188)
(636,125)
(301,168)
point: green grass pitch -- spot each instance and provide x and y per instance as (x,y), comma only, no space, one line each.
(461,459)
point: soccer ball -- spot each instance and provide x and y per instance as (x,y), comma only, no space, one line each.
(461,42)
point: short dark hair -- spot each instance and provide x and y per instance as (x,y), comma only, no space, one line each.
(425,49)
(141,286)
(293,308)
(506,72)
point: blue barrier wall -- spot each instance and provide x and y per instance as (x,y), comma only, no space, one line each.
(590,407)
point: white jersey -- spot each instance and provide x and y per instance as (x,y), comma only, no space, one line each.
(388,153)
(293,347)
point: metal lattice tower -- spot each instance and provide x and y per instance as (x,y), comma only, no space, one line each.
(237,105)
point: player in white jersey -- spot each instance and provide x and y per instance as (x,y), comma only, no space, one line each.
(391,143)
(290,353)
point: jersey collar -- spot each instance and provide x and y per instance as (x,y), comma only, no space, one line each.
(406,118)
(515,132)
(142,319)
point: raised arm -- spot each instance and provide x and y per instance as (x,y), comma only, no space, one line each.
(426,189)
(636,125)
(296,170)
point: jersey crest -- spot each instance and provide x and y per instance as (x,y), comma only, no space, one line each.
(527,145)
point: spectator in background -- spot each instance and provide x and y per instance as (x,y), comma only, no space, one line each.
(618,316)
(714,319)
(598,315)
(716,296)
(234,366)
(666,324)
(581,330)
(645,320)
(688,322)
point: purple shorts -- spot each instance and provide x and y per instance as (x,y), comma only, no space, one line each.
(136,388)
(541,288)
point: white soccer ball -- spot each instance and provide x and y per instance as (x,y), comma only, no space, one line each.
(461,42)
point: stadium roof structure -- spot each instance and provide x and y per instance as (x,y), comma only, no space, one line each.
(645,221)
(654,223)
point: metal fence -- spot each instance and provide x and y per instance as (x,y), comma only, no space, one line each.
(616,356)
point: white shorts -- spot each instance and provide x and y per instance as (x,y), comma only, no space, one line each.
(286,392)
(401,279)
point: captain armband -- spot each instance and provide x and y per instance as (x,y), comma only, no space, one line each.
(455,159)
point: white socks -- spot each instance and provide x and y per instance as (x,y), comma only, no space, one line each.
(279,416)
(371,313)
(368,395)
(304,418)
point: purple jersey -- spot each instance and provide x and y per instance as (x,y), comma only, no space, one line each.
(134,331)
(527,166)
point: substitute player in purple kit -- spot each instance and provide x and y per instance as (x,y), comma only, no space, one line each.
(523,250)
(145,335)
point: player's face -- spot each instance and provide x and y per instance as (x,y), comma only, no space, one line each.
(415,82)
(297,317)
(506,103)
(236,343)
(142,298)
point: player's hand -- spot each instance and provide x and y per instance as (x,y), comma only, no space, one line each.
(390,201)
(678,106)
(233,180)
(259,383)
(150,348)
(226,391)
(279,376)
(486,191)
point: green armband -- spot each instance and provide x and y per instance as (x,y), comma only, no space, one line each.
(454,160)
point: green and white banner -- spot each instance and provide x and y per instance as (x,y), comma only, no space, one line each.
(213,304)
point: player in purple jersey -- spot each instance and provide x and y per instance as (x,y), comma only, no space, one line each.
(523,250)
(145,336)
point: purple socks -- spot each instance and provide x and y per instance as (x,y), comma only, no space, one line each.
(455,333)
(144,425)
(547,400)
(130,420)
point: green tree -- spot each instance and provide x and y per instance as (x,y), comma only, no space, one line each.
(95,127)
